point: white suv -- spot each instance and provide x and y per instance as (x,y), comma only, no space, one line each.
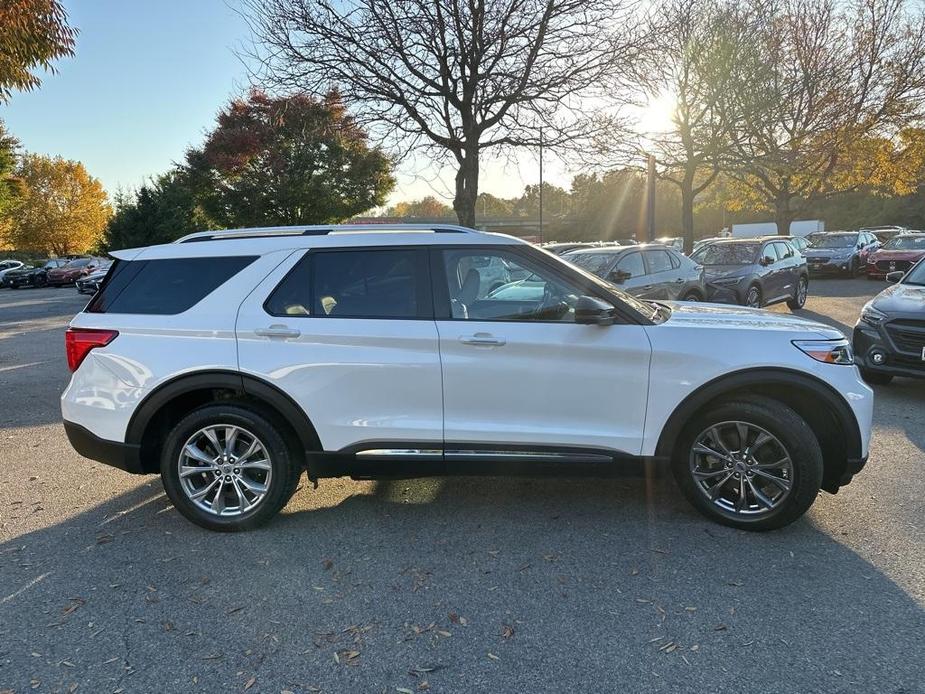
(229,362)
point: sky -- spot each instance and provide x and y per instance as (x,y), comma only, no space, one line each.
(146,82)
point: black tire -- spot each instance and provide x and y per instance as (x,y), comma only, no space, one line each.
(692,295)
(285,468)
(798,300)
(871,277)
(853,268)
(793,433)
(875,377)
(748,294)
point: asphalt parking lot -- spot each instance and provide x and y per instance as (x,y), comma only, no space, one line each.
(451,585)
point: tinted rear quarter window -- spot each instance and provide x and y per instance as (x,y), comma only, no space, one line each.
(163,287)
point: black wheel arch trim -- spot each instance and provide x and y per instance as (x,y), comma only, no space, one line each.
(755,377)
(243,384)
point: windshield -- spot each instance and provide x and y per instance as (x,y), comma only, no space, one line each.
(592,262)
(835,241)
(726,254)
(906,243)
(79,262)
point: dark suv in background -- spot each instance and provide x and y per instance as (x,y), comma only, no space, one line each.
(841,252)
(649,272)
(754,272)
(889,338)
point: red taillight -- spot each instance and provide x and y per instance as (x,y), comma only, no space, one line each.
(79,341)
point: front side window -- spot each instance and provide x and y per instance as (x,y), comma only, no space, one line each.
(539,296)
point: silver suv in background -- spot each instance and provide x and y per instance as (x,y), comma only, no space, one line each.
(646,271)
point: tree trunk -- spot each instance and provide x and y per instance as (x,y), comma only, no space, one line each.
(687,212)
(467,189)
(783,215)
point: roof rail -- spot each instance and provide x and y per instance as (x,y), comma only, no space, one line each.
(321,230)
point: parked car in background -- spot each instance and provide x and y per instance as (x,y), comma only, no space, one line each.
(8,265)
(565,247)
(88,284)
(754,273)
(889,337)
(885,233)
(72,271)
(32,275)
(841,252)
(899,253)
(646,271)
(232,362)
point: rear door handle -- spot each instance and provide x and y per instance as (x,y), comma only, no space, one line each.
(277,331)
(483,339)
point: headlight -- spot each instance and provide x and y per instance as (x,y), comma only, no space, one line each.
(827,351)
(872,316)
(726,281)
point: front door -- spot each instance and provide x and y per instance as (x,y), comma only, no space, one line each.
(518,372)
(349,335)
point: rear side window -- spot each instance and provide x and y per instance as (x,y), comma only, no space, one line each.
(659,261)
(163,287)
(389,283)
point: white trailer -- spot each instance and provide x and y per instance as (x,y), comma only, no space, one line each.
(799,227)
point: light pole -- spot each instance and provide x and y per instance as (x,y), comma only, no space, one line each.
(541,185)
(650,200)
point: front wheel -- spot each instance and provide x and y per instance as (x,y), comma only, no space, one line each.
(753,297)
(799,295)
(752,463)
(692,296)
(228,468)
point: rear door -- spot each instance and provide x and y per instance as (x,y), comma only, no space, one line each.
(349,335)
(664,274)
(519,375)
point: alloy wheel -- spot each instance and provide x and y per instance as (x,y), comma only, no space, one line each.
(753,298)
(801,291)
(741,468)
(224,470)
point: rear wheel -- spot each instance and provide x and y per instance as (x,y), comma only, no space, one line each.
(799,295)
(876,378)
(752,464)
(228,468)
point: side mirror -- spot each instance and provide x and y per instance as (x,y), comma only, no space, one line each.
(618,276)
(592,311)
(895,276)
(766,260)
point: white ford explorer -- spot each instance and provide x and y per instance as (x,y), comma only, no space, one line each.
(232,361)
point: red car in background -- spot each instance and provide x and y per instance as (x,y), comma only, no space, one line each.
(74,270)
(899,253)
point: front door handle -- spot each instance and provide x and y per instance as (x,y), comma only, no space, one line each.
(277,331)
(482,339)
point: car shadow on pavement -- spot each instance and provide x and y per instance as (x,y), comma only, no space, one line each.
(467,583)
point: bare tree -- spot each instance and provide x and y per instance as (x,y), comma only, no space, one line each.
(699,43)
(824,81)
(456,77)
